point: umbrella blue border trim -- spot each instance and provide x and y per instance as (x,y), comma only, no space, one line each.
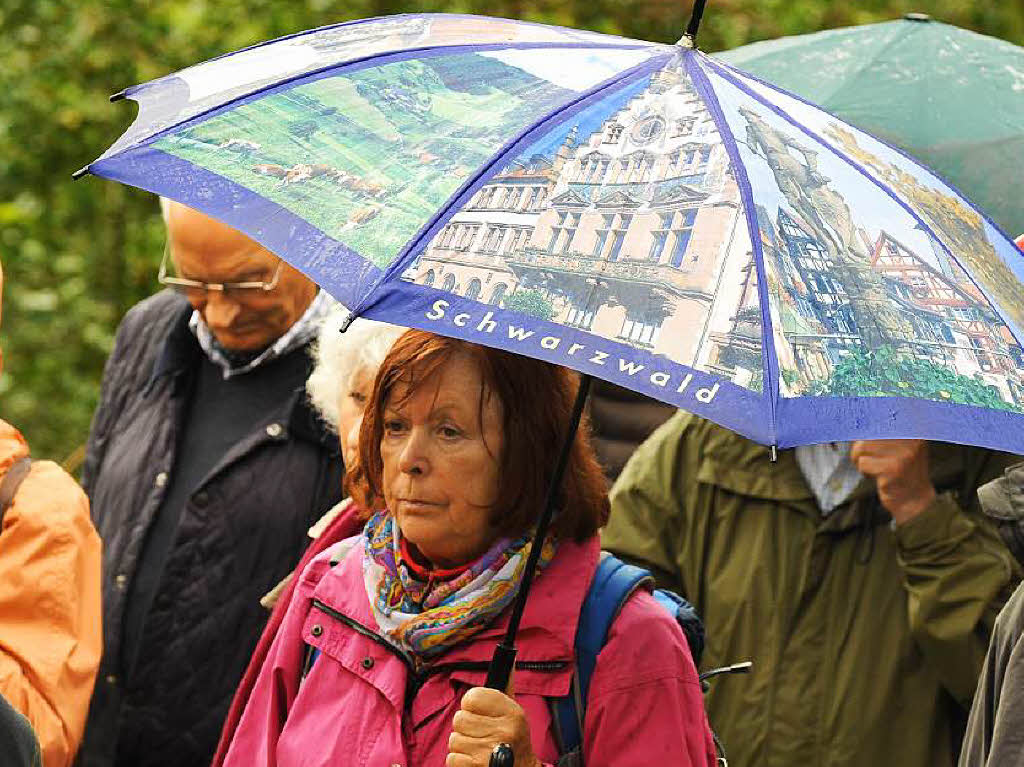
(734,407)
(133,89)
(373,60)
(267,222)
(769,360)
(527,136)
(819,419)
(1017,332)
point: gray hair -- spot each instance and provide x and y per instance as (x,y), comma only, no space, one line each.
(338,356)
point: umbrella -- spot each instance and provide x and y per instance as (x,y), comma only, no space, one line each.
(949,97)
(639,212)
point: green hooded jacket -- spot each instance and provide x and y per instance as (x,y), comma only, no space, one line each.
(866,639)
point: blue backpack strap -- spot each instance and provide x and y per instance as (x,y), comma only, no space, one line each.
(687,618)
(613,583)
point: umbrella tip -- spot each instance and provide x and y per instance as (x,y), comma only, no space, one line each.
(347,321)
(79,173)
(117,96)
(917,17)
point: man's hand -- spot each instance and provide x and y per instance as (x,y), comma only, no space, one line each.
(900,470)
(486,718)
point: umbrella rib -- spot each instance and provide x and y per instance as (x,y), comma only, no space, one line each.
(453,204)
(909,28)
(1017,333)
(769,358)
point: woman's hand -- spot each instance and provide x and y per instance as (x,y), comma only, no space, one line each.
(485,719)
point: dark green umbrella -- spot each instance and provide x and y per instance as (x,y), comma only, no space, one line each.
(954,99)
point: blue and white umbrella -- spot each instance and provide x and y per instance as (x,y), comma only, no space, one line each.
(639,212)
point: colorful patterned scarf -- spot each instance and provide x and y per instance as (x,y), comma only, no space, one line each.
(428,617)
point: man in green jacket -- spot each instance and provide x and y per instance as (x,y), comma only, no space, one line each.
(861,581)
(995,730)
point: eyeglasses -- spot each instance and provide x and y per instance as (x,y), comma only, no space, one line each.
(194,288)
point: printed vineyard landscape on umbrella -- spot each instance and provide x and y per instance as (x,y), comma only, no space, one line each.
(639,212)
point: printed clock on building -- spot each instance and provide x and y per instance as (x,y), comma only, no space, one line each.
(647,130)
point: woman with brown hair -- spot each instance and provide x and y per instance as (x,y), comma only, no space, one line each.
(386,642)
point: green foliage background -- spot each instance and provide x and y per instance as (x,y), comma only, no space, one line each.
(77,255)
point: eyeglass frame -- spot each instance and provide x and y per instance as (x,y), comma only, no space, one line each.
(221,287)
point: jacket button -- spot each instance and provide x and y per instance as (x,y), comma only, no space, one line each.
(111,679)
(161,479)
(367,663)
(317,630)
(274,430)
(201,498)
(121,580)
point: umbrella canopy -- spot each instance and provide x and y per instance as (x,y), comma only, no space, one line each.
(950,97)
(642,213)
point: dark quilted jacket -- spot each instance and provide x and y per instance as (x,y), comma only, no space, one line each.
(240,532)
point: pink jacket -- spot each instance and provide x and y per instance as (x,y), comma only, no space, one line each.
(362,704)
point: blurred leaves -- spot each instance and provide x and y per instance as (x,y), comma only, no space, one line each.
(77,255)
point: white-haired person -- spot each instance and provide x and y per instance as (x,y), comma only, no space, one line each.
(345,365)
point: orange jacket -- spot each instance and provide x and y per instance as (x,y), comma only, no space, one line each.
(50,614)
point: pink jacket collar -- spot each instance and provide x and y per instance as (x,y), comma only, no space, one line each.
(546,633)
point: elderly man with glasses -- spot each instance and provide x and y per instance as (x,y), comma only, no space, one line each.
(205,468)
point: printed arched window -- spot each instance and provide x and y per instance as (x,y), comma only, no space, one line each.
(498,294)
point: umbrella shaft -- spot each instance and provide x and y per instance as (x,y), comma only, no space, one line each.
(500,670)
(695,17)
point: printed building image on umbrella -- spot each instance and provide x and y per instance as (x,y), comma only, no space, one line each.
(882,277)
(626,224)
(638,212)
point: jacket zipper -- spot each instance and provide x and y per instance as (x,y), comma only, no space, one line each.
(482,665)
(416,678)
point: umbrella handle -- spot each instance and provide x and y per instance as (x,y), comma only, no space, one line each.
(502,756)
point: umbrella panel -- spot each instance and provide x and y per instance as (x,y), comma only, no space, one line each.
(883,282)
(424,126)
